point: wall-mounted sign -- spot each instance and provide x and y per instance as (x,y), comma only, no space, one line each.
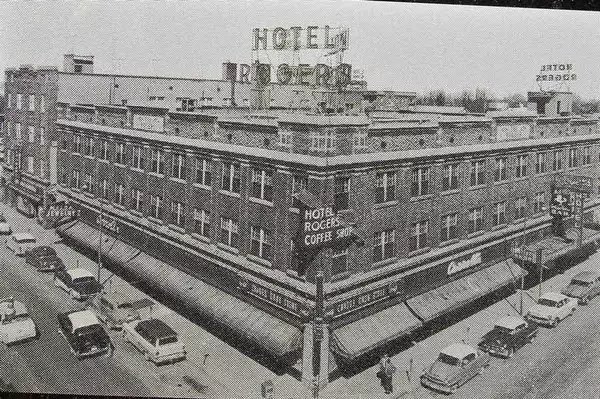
(62,211)
(275,298)
(560,204)
(457,266)
(579,183)
(108,223)
(556,73)
(322,227)
(359,301)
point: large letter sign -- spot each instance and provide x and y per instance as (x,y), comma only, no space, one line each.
(321,227)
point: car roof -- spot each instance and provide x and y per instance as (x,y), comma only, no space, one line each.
(510,322)
(155,328)
(79,272)
(120,297)
(23,236)
(586,275)
(458,351)
(553,296)
(20,308)
(43,248)
(82,318)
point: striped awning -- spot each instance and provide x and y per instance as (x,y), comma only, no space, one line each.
(87,237)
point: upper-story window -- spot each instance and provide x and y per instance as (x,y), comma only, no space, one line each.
(449,227)
(420,182)
(31,133)
(157,161)
(521,167)
(385,187)
(42,104)
(17,131)
(137,200)
(42,135)
(9,101)
(477,173)
(339,261)
(341,192)
(119,194)
(156,206)
(499,213)
(88,146)
(229,232)
(178,213)
(540,162)
(31,102)
(104,192)
(520,207)
(475,222)
(137,159)
(383,245)
(418,235)
(75,182)
(285,138)
(262,184)
(359,140)
(178,169)
(557,157)
(104,151)
(76,143)
(203,171)
(260,243)
(19,100)
(202,222)
(299,183)
(88,183)
(539,202)
(450,178)
(500,171)
(587,155)
(120,153)
(572,157)
(230,177)
(323,139)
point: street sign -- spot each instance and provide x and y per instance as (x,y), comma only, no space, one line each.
(560,204)
(579,183)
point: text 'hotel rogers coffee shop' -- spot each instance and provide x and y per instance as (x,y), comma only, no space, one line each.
(287,206)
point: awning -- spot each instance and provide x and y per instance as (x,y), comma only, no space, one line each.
(363,335)
(120,252)
(446,298)
(554,247)
(87,237)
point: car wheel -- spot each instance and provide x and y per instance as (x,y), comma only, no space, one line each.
(453,388)
(555,322)
(55,281)
(572,311)
(532,338)
(71,293)
(510,352)
(147,356)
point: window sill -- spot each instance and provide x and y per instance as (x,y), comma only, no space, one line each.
(176,228)
(385,204)
(259,260)
(177,180)
(384,262)
(160,175)
(260,201)
(76,190)
(88,194)
(200,238)
(419,251)
(294,274)
(155,220)
(519,220)
(119,206)
(448,242)
(104,201)
(229,193)
(202,186)
(520,178)
(137,169)
(89,156)
(450,192)
(498,227)
(477,187)
(136,213)
(421,197)
(295,210)
(341,276)
(475,233)
(227,248)
(121,165)
(103,161)
(501,182)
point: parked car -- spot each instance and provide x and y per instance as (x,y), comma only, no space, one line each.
(5,228)
(509,334)
(84,333)
(583,286)
(551,308)
(455,365)
(44,258)
(15,323)
(155,339)
(114,309)
(20,242)
(79,283)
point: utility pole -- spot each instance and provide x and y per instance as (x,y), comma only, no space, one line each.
(318,328)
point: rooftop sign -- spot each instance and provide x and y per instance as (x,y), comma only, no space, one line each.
(555,73)
(298,38)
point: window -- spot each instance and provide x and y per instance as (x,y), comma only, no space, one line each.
(31,131)
(477,173)
(260,243)
(42,135)
(104,153)
(572,157)
(138,161)
(500,171)
(420,182)
(88,146)
(88,184)
(450,178)
(587,157)
(385,187)
(285,138)
(120,153)
(156,205)
(520,207)
(383,245)
(540,162)
(187,104)
(360,140)
(557,160)
(262,184)
(322,140)
(119,194)
(76,143)
(299,183)
(178,169)
(418,235)
(230,177)
(539,202)
(475,220)
(42,104)
(227,102)
(31,102)
(341,192)
(157,161)
(30,164)
(203,171)
(178,213)
(104,189)
(19,100)
(521,168)
(75,179)
(339,261)
(137,200)
(202,222)
(449,227)
(499,213)
(9,101)
(18,131)
(229,232)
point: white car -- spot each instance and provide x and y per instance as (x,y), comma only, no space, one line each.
(5,228)
(15,323)
(551,308)
(79,283)
(155,339)
(20,242)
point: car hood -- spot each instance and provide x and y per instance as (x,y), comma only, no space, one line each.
(541,310)
(443,371)
(575,291)
(495,337)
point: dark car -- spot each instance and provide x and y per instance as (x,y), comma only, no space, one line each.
(84,334)
(509,334)
(583,286)
(79,283)
(44,258)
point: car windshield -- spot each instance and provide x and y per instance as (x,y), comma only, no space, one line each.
(504,330)
(26,240)
(451,360)
(548,302)
(15,318)
(167,340)
(580,283)
(83,280)
(87,330)
(125,305)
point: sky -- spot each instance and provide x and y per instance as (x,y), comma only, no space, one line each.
(400,46)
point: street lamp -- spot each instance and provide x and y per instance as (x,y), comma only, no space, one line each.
(99,259)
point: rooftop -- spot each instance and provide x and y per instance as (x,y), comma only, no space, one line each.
(83,318)
(79,272)
(509,322)
(458,351)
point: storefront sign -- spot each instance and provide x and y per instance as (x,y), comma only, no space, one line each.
(523,254)
(579,183)
(457,266)
(108,223)
(62,211)
(560,204)
(321,227)
(359,301)
(556,72)
(273,297)
(578,214)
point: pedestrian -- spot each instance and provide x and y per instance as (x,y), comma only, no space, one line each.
(386,373)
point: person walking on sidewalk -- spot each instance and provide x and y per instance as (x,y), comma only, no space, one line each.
(386,373)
